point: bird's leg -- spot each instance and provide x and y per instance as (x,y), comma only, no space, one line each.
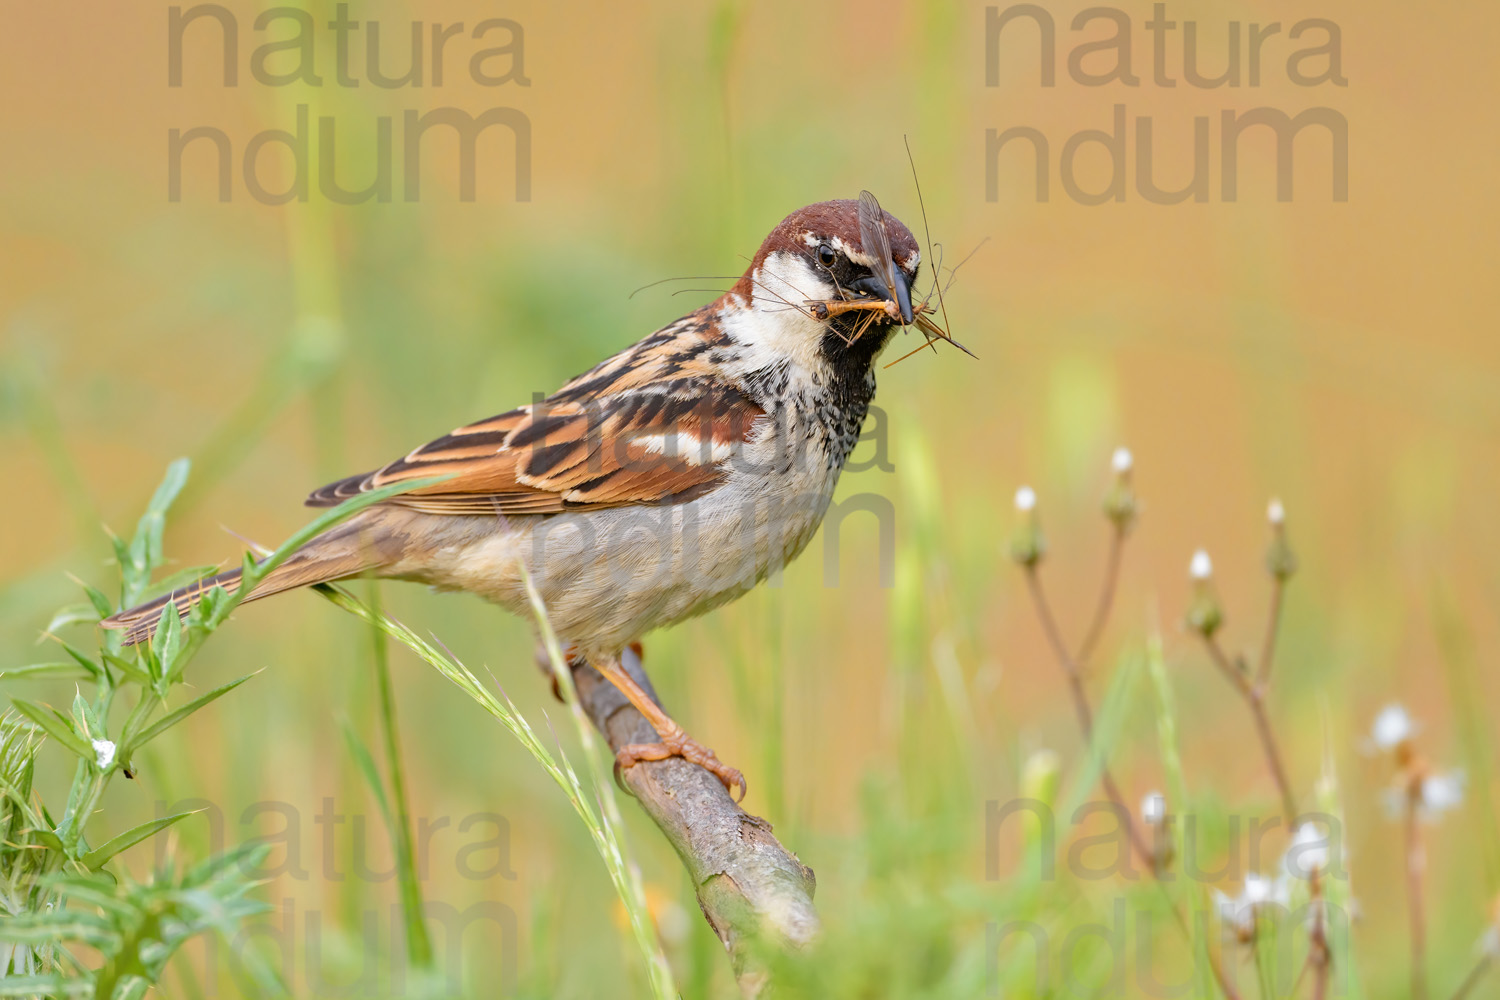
(674,742)
(570,656)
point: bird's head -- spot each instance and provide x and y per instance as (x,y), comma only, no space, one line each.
(833,251)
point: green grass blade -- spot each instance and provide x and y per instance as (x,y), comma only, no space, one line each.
(398,814)
(558,768)
(625,873)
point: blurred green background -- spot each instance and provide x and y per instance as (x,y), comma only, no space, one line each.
(1340,356)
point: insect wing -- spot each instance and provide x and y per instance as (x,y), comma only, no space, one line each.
(876,240)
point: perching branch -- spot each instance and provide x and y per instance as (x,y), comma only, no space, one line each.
(749,886)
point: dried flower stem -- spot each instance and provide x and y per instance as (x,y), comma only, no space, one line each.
(1254,696)
(1268,645)
(1319,955)
(1475,975)
(1415,863)
(1085,714)
(1106,597)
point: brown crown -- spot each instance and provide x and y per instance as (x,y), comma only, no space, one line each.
(827,220)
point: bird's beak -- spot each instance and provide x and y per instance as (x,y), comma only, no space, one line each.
(903,296)
(872,285)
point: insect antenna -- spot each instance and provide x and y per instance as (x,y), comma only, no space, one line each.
(927,233)
(728,277)
(926,342)
(954,272)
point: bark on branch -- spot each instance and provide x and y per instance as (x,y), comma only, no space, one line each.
(748,885)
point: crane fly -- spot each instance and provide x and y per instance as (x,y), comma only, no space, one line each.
(876,242)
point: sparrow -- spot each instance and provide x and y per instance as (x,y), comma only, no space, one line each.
(665,481)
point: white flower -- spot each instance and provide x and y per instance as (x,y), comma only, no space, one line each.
(1122,461)
(1393,727)
(1489,942)
(1237,919)
(1153,808)
(672,921)
(1275,512)
(1442,792)
(1025,499)
(1202,567)
(1258,889)
(1307,853)
(104,753)
(1238,913)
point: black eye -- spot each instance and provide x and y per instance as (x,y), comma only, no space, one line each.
(826,256)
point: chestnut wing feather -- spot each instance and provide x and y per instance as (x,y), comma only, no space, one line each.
(619,434)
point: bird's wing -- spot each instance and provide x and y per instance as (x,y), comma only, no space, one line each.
(650,425)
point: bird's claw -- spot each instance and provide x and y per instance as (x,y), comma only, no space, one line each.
(679,744)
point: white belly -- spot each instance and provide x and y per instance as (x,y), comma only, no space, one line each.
(609,576)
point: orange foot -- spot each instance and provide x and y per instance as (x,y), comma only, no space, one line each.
(676,743)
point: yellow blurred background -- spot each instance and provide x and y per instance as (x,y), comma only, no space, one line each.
(1342,356)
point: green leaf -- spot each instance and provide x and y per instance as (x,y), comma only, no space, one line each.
(55,725)
(87,720)
(45,986)
(78,657)
(248,564)
(44,670)
(131,670)
(97,889)
(171,485)
(49,839)
(122,549)
(101,855)
(98,600)
(167,643)
(172,718)
(72,614)
(145,547)
(65,925)
(207,607)
(367,768)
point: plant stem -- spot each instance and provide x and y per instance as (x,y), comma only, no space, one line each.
(559,769)
(1086,715)
(1106,596)
(1086,724)
(627,873)
(1268,644)
(1472,979)
(1255,699)
(418,944)
(1320,955)
(1415,862)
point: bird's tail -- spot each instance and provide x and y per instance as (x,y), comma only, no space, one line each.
(345,551)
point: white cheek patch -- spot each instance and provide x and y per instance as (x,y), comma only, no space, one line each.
(777,328)
(786,281)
